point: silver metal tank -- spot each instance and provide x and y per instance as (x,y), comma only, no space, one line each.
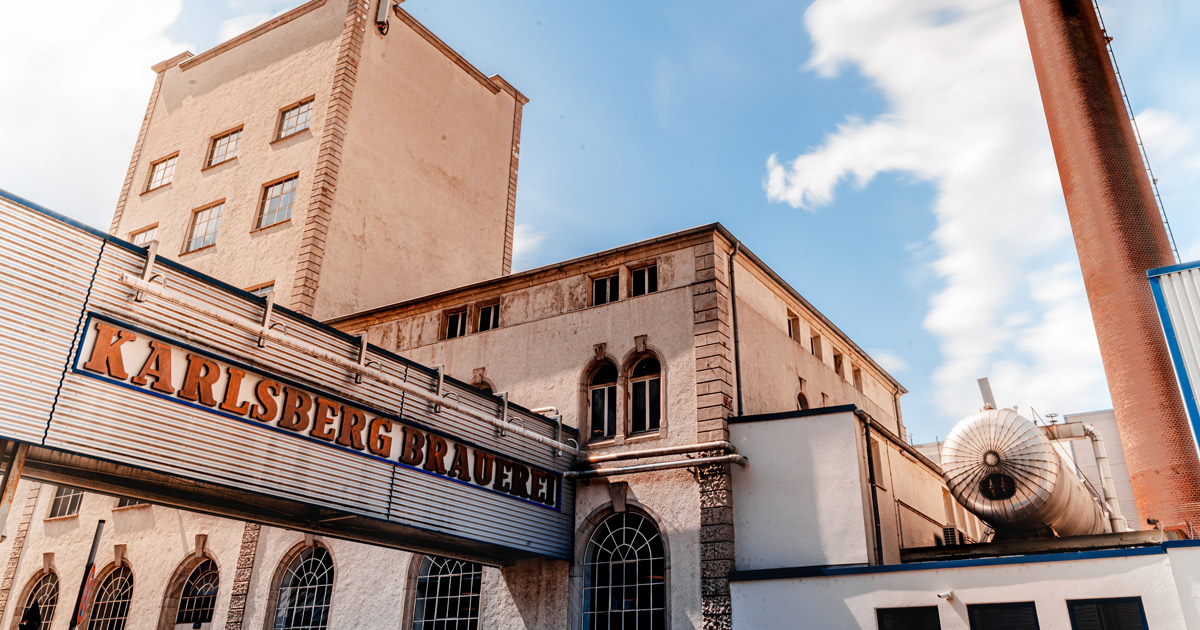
(1006,471)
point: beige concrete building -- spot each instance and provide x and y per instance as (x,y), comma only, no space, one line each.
(276,159)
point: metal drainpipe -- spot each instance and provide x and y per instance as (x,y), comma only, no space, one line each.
(866,422)
(678,463)
(737,354)
(1106,479)
(719,445)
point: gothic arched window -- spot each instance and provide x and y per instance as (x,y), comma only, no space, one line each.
(625,572)
(111,607)
(304,591)
(447,594)
(602,401)
(645,384)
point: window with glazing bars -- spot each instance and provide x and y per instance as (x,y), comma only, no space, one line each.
(295,118)
(43,599)
(277,200)
(262,291)
(111,606)
(1117,613)
(303,601)
(447,595)
(199,595)
(625,586)
(456,324)
(203,231)
(645,383)
(124,502)
(66,502)
(643,280)
(224,147)
(909,618)
(161,172)
(604,290)
(143,237)
(489,317)
(602,401)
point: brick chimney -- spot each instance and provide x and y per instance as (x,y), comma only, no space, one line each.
(1118,235)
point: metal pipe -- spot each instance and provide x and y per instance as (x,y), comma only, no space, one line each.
(349,365)
(665,450)
(874,490)
(740,460)
(1106,479)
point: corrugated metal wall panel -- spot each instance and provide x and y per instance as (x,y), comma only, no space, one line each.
(1177,293)
(45,269)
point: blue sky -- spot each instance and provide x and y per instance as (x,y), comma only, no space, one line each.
(889,158)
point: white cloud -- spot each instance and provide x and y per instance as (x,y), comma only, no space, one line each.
(237,25)
(75,92)
(890,361)
(526,242)
(964,116)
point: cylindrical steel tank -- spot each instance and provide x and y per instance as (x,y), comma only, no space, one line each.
(1006,471)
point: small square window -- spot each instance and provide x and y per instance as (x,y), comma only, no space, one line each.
(838,364)
(1012,616)
(643,280)
(489,317)
(203,231)
(142,237)
(294,119)
(277,201)
(66,502)
(224,147)
(456,324)
(815,342)
(604,290)
(262,290)
(161,172)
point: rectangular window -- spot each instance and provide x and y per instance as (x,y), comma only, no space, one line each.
(161,172)
(1012,616)
(838,365)
(224,147)
(1118,613)
(277,200)
(858,382)
(489,317)
(604,290)
(66,502)
(815,342)
(793,326)
(604,412)
(125,502)
(294,119)
(913,618)
(203,231)
(456,324)
(643,280)
(262,290)
(142,237)
(647,405)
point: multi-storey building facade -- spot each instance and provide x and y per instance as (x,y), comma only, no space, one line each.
(278,158)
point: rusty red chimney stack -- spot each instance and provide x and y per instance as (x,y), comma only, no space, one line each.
(1119,234)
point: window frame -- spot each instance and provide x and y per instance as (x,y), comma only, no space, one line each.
(612,401)
(480,310)
(100,584)
(311,101)
(612,291)
(261,214)
(815,346)
(32,587)
(1071,603)
(926,609)
(422,564)
(999,605)
(793,326)
(586,556)
(632,383)
(150,187)
(212,147)
(189,236)
(74,499)
(461,316)
(255,289)
(126,503)
(645,269)
(153,227)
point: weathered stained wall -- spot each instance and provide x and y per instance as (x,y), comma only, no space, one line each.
(246,85)
(423,182)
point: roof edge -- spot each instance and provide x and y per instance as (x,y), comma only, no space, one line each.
(265,27)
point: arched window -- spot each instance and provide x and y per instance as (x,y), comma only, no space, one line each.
(199,595)
(303,599)
(42,601)
(602,401)
(645,390)
(625,571)
(111,606)
(447,595)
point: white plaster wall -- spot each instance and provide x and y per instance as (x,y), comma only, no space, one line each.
(1185,565)
(850,601)
(246,85)
(800,501)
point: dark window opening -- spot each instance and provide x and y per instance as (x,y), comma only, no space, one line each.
(1118,613)
(456,324)
(199,595)
(66,502)
(643,281)
(604,290)
(602,402)
(1012,616)
(489,317)
(625,585)
(447,594)
(912,618)
(646,385)
(801,401)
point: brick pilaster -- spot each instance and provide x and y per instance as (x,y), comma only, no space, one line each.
(329,160)
(714,404)
(510,223)
(18,548)
(137,150)
(241,576)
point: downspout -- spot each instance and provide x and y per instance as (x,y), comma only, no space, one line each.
(737,354)
(866,422)
(1106,479)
